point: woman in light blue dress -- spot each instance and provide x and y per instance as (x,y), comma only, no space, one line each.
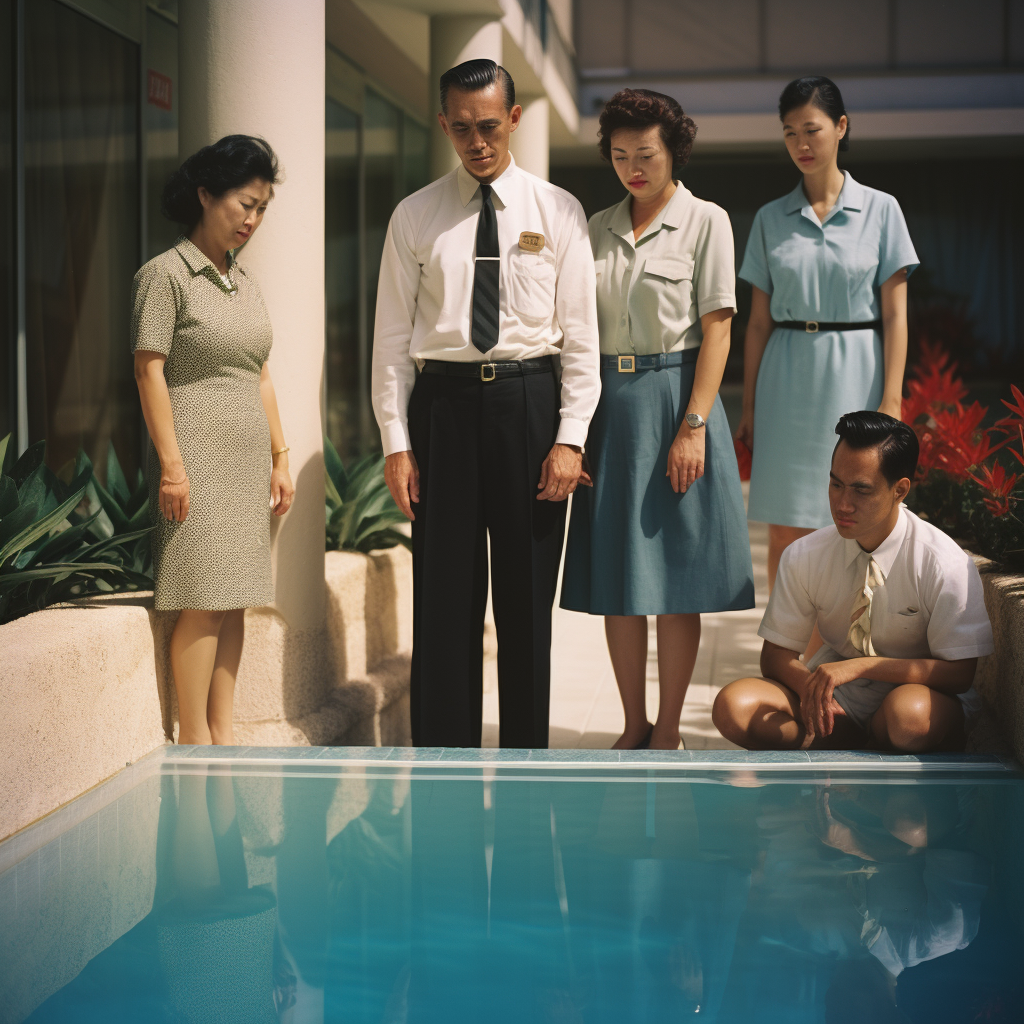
(828,322)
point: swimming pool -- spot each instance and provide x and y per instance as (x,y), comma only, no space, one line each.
(387,886)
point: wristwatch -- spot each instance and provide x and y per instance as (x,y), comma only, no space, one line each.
(694,420)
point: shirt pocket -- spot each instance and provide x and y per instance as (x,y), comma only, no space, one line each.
(531,286)
(666,286)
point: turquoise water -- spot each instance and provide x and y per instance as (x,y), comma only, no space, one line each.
(323,891)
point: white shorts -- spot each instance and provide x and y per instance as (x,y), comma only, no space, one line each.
(863,697)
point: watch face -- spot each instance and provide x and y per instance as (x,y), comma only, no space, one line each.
(694,419)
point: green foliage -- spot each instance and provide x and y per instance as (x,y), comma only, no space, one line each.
(51,549)
(361,514)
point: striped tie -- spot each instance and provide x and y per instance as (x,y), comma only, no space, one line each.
(485,278)
(860,617)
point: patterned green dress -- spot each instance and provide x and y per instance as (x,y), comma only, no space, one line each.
(216,337)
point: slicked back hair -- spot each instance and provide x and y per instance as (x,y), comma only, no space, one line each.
(473,75)
(897,444)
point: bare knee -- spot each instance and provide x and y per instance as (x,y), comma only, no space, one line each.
(734,708)
(908,718)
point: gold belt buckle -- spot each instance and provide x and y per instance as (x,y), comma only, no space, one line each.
(627,364)
(811,327)
(484,367)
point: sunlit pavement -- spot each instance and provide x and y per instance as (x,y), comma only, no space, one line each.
(585,707)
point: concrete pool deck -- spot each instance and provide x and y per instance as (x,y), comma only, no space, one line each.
(585,709)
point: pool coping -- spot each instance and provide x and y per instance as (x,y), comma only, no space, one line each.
(37,834)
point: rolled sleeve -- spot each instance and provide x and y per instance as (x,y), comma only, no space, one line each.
(394,370)
(576,310)
(754,268)
(959,627)
(791,614)
(896,250)
(154,310)
(715,265)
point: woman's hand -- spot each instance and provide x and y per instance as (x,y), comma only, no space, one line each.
(745,431)
(282,491)
(892,406)
(686,458)
(174,493)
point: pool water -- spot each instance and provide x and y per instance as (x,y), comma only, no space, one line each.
(347,889)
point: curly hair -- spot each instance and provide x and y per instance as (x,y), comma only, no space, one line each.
(229,163)
(641,108)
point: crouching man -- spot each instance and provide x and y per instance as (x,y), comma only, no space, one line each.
(899,606)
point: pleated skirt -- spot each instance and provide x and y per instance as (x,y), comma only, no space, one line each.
(636,547)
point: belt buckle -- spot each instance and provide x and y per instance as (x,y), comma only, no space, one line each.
(484,367)
(627,364)
(811,327)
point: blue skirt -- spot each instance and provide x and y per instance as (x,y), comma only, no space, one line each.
(805,384)
(635,546)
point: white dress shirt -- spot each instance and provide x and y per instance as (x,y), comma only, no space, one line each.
(931,603)
(424,298)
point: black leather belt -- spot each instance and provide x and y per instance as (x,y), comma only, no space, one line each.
(655,361)
(489,371)
(814,326)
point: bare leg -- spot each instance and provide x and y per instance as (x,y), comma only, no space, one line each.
(678,641)
(779,538)
(915,718)
(759,714)
(220,706)
(193,654)
(193,854)
(627,646)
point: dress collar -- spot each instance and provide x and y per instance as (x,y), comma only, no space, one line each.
(197,261)
(851,197)
(670,216)
(886,552)
(502,185)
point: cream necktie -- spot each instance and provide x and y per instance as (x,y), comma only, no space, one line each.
(860,617)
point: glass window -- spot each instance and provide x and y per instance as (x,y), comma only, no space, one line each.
(415,156)
(161,127)
(81,233)
(345,397)
(7,264)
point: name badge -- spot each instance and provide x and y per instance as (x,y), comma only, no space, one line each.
(531,241)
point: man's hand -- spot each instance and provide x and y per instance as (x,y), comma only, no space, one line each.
(818,705)
(686,458)
(561,472)
(402,476)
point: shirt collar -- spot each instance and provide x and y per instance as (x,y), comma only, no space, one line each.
(197,261)
(502,185)
(886,552)
(851,197)
(670,216)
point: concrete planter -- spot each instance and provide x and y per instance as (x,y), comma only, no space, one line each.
(1000,676)
(88,689)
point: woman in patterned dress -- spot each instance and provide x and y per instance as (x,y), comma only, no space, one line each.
(218,463)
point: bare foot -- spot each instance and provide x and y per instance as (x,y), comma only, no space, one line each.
(667,740)
(632,738)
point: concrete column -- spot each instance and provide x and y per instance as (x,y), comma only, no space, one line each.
(529,143)
(257,67)
(454,39)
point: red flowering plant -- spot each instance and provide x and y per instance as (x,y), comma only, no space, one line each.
(969,481)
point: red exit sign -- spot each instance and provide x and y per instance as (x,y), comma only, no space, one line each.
(159,90)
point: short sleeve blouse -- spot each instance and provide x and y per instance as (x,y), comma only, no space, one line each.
(652,293)
(829,271)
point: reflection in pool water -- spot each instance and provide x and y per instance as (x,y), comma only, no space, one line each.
(506,895)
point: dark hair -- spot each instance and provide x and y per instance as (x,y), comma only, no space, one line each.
(640,108)
(229,163)
(897,444)
(473,75)
(823,93)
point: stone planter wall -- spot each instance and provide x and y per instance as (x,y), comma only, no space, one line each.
(87,687)
(1000,676)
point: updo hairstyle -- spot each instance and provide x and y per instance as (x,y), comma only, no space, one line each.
(231,162)
(641,108)
(822,93)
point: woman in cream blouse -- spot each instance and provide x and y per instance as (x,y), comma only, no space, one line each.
(663,532)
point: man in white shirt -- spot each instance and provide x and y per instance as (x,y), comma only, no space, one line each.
(899,605)
(487,276)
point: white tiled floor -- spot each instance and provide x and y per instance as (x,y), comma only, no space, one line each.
(585,707)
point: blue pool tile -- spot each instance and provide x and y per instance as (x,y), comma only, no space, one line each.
(852,756)
(355,753)
(644,757)
(208,753)
(489,754)
(574,756)
(417,753)
(284,753)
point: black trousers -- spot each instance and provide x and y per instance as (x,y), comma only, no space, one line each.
(479,447)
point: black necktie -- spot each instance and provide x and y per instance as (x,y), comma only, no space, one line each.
(485,279)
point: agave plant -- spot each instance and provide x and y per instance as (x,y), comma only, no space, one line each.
(49,551)
(361,514)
